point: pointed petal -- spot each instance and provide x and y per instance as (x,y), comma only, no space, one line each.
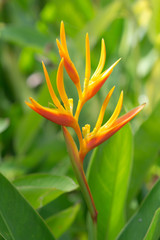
(103,135)
(94,86)
(69,66)
(88,62)
(30,105)
(60,47)
(121,121)
(54,115)
(115,113)
(103,108)
(105,73)
(101,61)
(63,38)
(60,85)
(50,88)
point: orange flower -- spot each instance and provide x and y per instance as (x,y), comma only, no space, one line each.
(63,114)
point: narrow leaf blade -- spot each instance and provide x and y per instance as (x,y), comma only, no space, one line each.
(19,217)
(142,219)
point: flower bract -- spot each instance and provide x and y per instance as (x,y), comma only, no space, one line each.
(63,114)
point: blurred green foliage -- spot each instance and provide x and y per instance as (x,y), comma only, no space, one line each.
(31,144)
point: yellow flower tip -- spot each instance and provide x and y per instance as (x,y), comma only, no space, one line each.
(62,31)
(60,48)
(103,49)
(60,86)
(101,62)
(86,130)
(50,88)
(110,69)
(69,66)
(106,133)
(116,112)
(28,104)
(58,42)
(88,63)
(31,99)
(97,82)
(34,103)
(114,64)
(63,38)
(112,89)
(62,24)
(102,111)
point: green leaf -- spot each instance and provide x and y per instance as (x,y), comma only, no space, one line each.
(146,153)
(108,177)
(30,37)
(29,126)
(4,123)
(39,189)
(60,222)
(98,25)
(154,229)
(56,206)
(140,223)
(18,220)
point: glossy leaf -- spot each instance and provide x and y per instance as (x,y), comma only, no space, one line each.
(60,222)
(39,189)
(145,154)
(18,220)
(154,229)
(138,226)
(108,177)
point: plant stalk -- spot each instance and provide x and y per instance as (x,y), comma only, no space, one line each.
(78,169)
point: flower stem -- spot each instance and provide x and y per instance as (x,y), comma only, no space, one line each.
(94,230)
(78,169)
(79,108)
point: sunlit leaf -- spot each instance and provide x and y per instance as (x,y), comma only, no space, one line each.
(108,177)
(39,189)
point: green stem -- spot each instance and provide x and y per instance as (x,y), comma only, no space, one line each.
(78,169)
(94,230)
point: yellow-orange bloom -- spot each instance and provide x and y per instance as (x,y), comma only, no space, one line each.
(63,113)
